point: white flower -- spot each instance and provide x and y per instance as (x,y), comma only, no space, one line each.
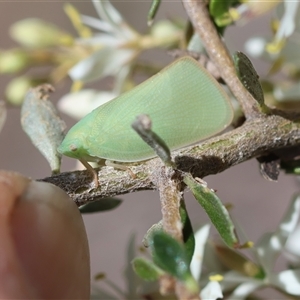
(211,291)
(292,248)
(288,20)
(267,251)
(201,237)
(112,56)
(80,103)
(111,51)
(255,46)
(257,275)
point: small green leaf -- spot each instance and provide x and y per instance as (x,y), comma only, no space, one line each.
(170,255)
(214,208)
(148,237)
(187,231)
(219,10)
(100,205)
(249,77)
(153,10)
(146,269)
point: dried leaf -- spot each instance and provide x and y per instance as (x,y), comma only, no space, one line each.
(41,122)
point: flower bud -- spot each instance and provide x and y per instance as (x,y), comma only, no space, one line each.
(164,29)
(38,33)
(17,88)
(14,60)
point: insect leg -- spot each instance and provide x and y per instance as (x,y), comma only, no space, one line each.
(92,171)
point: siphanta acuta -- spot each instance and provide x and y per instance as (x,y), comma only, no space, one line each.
(184,102)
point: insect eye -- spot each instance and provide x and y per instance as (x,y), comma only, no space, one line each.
(73,147)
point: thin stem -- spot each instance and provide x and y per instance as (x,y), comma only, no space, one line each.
(218,53)
(170,198)
(168,182)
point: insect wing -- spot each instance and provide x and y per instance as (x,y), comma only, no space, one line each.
(183,101)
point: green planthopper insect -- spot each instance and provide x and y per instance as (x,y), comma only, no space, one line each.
(184,102)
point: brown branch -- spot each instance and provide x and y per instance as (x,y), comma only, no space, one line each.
(254,138)
(169,186)
(218,53)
